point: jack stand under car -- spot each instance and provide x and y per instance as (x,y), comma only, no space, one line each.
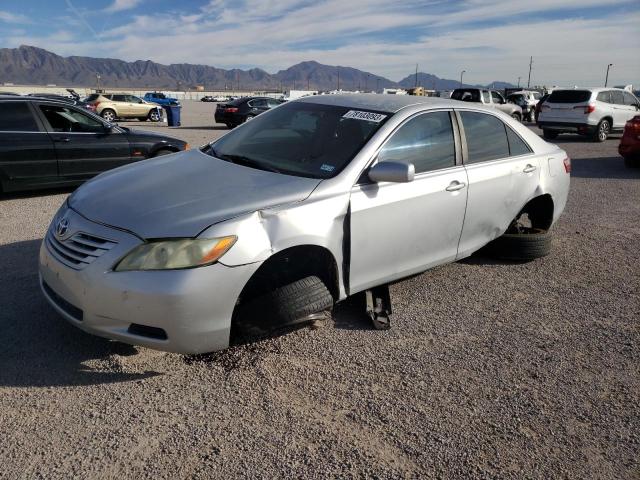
(379,307)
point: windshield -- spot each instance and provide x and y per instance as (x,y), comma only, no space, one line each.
(302,139)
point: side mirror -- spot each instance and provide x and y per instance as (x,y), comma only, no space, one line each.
(108,126)
(395,172)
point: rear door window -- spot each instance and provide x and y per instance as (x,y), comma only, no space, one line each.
(119,98)
(486,137)
(485,96)
(617,97)
(17,117)
(425,140)
(569,96)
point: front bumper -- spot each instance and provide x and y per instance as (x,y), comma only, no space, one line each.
(581,128)
(192,308)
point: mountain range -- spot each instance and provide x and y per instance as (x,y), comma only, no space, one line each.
(29,65)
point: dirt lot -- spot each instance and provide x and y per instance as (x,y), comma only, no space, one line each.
(491,370)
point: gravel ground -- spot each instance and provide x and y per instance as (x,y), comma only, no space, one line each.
(490,370)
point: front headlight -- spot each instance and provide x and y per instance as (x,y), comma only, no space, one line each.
(175,254)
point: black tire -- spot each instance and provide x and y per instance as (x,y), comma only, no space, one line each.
(602,131)
(142,119)
(522,246)
(286,305)
(549,134)
(229,125)
(248,118)
(516,116)
(163,151)
(108,114)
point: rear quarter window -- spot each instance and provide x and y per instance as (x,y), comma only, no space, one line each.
(570,96)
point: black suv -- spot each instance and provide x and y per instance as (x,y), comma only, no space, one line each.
(48,143)
(244,109)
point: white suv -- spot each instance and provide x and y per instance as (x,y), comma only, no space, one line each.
(594,112)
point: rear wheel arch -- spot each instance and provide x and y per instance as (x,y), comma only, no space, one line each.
(539,211)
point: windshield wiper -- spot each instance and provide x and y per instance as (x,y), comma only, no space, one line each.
(245,161)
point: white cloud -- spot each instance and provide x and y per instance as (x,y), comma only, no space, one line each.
(122,5)
(13,18)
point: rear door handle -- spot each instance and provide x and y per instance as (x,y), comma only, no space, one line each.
(455,186)
(529,168)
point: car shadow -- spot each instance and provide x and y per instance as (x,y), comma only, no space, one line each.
(37,193)
(38,347)
(205,127)
(602,167)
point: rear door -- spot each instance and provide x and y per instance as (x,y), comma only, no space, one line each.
(122,105)
(503,173)
(83,146)
(398,229)
(27,154)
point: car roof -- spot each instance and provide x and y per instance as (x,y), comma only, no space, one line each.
(27,98)
(589,89)
(380,102)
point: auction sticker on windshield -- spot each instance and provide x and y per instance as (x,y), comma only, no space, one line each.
(368,116)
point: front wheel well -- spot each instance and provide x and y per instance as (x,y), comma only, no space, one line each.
(290,265)
(539,212)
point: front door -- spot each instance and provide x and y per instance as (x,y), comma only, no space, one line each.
(398,229)
(83,145)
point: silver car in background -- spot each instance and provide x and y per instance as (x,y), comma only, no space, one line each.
(309,203)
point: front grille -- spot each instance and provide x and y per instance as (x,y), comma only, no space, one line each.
(69,308)
(79,250)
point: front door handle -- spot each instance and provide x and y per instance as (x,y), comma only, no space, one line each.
(63,139)
(529,168)
(455,186)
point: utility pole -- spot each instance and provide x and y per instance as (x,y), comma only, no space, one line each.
(238,80)
(366,80)
(518,82)
(530,65)
(461,74)
(416,83)
(606,79)
(377,85)
(338,68)
(308,89)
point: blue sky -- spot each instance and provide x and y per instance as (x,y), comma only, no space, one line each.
(572,41)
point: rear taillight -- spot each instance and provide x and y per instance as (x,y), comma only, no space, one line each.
(230,110)
(633,125)
(567,165)
(588,109)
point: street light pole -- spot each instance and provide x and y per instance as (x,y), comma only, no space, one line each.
(518,82)
(606,79)
(461,74)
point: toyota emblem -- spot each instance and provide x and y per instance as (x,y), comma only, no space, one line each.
(62,227)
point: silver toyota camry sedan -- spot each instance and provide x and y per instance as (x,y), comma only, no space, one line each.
(305,205)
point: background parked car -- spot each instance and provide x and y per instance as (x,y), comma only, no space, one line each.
(490,98)
(239,111)
(207,98)
(593,112)
(160,98)
(629,146)
(111,106)
(527,100)
(49,143)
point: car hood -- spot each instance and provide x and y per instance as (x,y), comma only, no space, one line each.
(180,195)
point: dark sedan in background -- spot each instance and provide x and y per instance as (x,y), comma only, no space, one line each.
(244,109)
(46,143)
